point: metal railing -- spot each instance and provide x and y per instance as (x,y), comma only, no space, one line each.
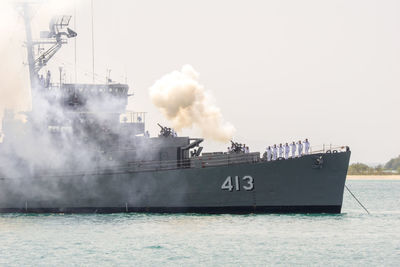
(191,163)
(133,117)
(327,148)
(319,149)
(143,166)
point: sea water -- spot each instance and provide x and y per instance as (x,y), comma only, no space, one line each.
(351,238)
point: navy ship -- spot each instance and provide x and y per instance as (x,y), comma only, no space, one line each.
(79,150)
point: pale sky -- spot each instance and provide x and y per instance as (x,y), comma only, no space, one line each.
(279,70)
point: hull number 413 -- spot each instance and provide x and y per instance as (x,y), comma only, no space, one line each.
(246,183)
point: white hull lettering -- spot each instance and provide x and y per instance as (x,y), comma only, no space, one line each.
(247,183)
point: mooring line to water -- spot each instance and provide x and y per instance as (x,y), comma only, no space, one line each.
(357,199)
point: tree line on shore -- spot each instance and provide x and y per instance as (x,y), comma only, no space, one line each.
(391,167)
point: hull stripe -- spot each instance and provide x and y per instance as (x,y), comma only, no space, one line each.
(205,210)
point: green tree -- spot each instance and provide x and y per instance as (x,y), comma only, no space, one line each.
(393,164)
(379,169)
(359,169)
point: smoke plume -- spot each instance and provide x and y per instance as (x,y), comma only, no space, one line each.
(72,149)
(55,138)
(14,92)
(185,102)
(14,75)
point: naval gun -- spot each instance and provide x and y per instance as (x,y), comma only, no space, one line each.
(236,147)
(165,131)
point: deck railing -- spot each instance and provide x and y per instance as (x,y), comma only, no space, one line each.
(195,162)
(133,117)
(327,148)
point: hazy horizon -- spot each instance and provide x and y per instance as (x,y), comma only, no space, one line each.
(279,71)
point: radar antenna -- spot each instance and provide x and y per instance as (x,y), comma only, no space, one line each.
(58,29)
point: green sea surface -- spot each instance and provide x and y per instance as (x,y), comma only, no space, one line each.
(353,238)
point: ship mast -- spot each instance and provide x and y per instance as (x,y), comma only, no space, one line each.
(56,36)
(33,76)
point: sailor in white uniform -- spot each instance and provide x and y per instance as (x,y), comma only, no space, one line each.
(293,147)
(269,153)
(274,152)
(287,151)
(173,133)
(280,151)
(306,146)
(300,148)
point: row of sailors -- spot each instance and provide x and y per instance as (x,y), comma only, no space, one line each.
(274,152)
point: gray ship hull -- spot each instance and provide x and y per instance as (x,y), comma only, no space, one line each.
(282,186)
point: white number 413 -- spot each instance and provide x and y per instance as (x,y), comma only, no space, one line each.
(228,185)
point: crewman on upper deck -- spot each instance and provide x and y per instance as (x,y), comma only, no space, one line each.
(48,79)
(293,147)
(287,151)
(41,81)
(274,152)
(280,151)
(269,152)
(300,148)
(306,146)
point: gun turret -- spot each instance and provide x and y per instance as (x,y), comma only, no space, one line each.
(236,147)
(165,131)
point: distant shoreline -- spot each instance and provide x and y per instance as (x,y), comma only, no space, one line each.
(373,177)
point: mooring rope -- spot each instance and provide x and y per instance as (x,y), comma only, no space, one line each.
(357,199)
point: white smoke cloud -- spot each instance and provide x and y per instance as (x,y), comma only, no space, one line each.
(14,91)
(185,102)
(14,75)
(53,138)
